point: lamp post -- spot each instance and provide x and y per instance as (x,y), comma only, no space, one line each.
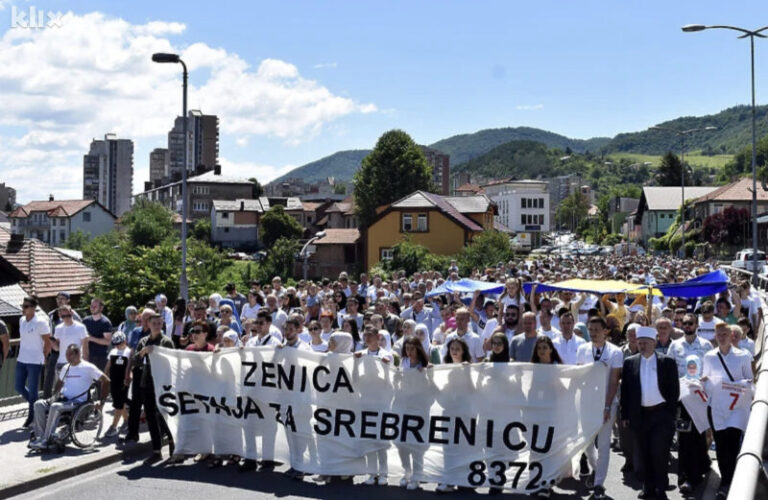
(691,28)
(681,134)
(304,254)
(161,57)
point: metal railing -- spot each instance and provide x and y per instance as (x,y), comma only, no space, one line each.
(750,480)
(8,394)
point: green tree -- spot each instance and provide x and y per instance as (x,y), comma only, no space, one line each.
(76,240)
(202,230)
(486,249)
(573,210)
(395,168)
(670,171)
(281,258)
(340,188)
(257,191)
(276,224)
(148,223)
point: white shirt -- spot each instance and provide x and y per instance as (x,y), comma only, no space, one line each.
(609,354)
(707,328)
(680,349)
(276,332)
(67,335)
(31,347)
(552,333)
(747,344)
(738,361)
(729,401)
(567,349)
(77,379)
(279,318)
(300,345)
(167,314)
(473,340)
(649,382)
(268,339)
(321,347)
(249,311)
(380,353)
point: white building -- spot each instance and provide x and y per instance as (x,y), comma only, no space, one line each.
(53,221)
(523,205)
(108,173)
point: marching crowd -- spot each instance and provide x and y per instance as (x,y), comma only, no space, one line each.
(649,343)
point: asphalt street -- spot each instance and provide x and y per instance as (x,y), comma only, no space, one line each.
(137,480)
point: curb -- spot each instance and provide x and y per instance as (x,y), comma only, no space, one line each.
(108,458)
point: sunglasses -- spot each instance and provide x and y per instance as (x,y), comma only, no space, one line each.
(27,306)
(225,312)
(65,315)
(688,323)
(259,322)
(314,329)
(195,331)
(497,343)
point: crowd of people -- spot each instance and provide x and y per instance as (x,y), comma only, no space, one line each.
(648,343)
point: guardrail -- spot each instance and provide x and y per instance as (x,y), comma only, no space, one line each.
(750,480)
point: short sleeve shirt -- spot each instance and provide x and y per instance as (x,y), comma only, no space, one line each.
(31,348)
(610,355)
(77,379)
(97,329)
(67,335)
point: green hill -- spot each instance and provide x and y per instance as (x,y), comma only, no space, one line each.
(734,132)
(465,147)
(341,165)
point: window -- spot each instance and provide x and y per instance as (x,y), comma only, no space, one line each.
(226,229)
(522,202)
(541,202)
(541,219)
(86,216)
(225,215)
(386,254)
(422,222)
(62,235)
(522,219)
(407,223)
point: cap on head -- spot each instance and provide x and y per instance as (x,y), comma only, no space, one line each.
(646,332)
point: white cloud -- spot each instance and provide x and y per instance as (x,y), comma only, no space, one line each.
(94,75)
(327,65)
(529,107)
(246,170)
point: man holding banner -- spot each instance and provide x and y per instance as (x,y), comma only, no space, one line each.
(601,351)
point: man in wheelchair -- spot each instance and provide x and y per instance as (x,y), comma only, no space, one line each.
(72,390)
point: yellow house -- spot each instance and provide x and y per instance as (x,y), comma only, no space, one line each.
(444,224)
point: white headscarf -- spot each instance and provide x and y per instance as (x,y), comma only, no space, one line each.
(422,328)
(343,343)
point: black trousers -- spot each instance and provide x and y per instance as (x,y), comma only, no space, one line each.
(134,409)
(155,422)
(654,439)
(49,377)
(727,445)
(693,454)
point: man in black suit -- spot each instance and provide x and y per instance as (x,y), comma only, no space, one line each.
(649,392)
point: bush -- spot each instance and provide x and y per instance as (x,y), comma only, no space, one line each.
(486,249)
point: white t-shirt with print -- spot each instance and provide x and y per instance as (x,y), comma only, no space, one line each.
(31,347)
(77,379)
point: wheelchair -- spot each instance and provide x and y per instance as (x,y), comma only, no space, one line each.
(81,425)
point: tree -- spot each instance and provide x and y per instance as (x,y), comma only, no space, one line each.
(670,170)
(202,230)
(257,191)
(76,240)
(572,210)
(395,168)
(148,223)
(486,249)
(276,223)
(281,258)
(340,188)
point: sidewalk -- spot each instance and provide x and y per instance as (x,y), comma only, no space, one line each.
(24,470)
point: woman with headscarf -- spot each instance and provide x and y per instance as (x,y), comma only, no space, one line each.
(213,306)
(228,316)
(421,332)
(130,322)
(499,349)
(341,343)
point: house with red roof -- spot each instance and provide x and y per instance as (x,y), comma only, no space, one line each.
(443,224)
(53,221)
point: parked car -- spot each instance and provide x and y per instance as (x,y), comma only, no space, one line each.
(745,261)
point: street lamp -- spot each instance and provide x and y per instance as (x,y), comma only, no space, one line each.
(681,134)
(304,254)
(691,28)
(161,57)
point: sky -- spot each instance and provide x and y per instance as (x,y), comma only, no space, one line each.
(294,81)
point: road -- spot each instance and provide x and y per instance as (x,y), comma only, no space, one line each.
(138,481)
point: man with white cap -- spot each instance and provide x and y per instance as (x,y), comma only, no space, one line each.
(649,392)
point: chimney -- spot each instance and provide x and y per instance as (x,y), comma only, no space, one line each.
(50,197)
(217,170)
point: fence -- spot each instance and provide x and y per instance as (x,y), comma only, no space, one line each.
(750,481)
(8,395)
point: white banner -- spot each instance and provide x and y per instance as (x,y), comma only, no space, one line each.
(514,425)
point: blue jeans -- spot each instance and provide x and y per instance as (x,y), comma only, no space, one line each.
(28,383)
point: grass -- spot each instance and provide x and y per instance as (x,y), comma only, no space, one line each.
(45,470)
(695,159)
